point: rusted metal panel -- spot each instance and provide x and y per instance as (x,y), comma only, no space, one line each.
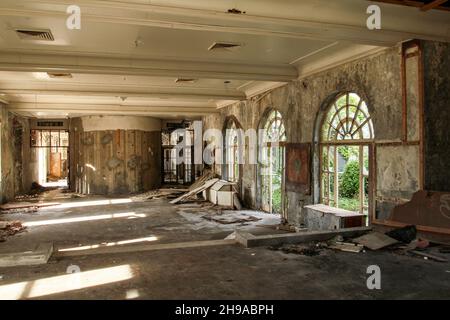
(298,167)
(426,208)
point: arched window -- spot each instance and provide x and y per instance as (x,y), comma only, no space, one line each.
(272,162)
(233,151)
(346,136)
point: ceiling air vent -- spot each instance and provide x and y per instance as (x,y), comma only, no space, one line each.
(227,46)
(35,34)
(185,80)
(55,75)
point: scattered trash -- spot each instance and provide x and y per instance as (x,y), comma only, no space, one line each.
(10,228)
(25,207)
(405,234)
(310,249)
(159,194)
(231,218)
(418,244)
(347,247)
(375,240)
(196,191)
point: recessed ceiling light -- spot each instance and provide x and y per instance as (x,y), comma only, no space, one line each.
(55,75)
(41,75)
(224,46)
(185,80)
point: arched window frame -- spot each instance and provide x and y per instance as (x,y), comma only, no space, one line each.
(346,123)
(272,134)
(233,150)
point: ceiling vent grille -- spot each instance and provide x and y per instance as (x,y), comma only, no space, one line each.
(185,80)
(54,75)
(35,34)
(224,46)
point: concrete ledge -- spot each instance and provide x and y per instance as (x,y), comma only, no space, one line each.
(147,247)
(39,256)
(249,241)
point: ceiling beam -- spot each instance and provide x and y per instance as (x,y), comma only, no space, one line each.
(174,17)
(99,109)
(172,94)
(26,62)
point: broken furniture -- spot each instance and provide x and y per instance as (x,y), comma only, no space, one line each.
(323,217)
(221,193)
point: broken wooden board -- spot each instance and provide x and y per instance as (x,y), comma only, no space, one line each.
(237,202)
(347,247)
(196,191)
(375,240)
(40,255)
(207,175)
(429,256)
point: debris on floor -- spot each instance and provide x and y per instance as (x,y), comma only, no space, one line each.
(207,175)
(427,256)
(304,249)
(40,255)
(216,191)
(347,247)
(405,234)
(24,207)
(10,228)
(195,192)
(231,217)
(159,194)
(375,240)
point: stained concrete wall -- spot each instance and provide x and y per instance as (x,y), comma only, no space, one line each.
(437,115)
(15,151)
(119,161)
(7,190)
(377,79)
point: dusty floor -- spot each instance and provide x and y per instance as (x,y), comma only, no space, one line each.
(218,272)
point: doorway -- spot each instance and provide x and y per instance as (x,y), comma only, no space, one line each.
(52,156)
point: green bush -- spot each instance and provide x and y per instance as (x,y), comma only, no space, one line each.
(349,184)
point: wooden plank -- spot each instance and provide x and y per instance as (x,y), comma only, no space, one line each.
(428,255)
(205,186)
(347,247)
(375,240)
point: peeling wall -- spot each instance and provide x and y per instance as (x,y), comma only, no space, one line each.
(15,164)
(437,116)
(114,161)
(7,157)
(377,79)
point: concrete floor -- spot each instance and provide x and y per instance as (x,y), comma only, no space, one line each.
(217,272)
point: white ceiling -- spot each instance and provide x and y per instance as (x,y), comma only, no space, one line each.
(127,55)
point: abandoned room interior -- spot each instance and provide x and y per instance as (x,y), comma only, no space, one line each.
(224,149)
